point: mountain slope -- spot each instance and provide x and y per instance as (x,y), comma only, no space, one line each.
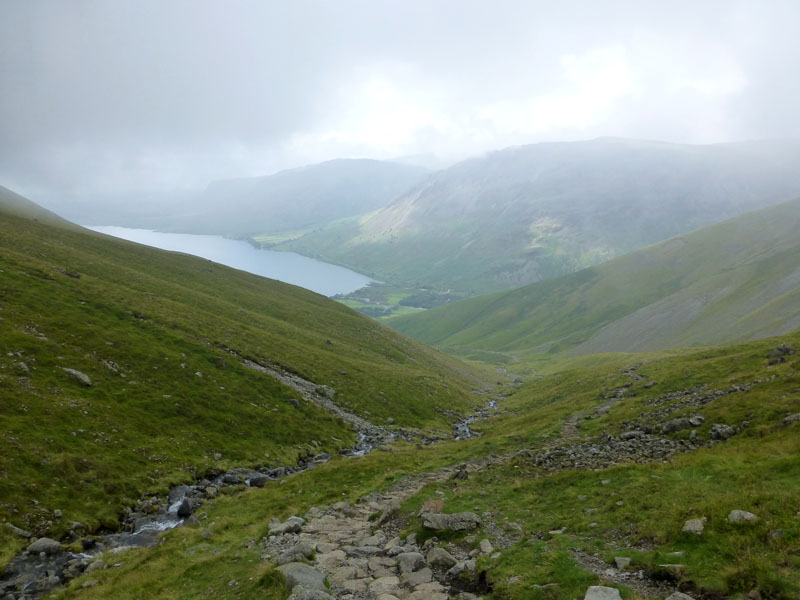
(163,339)
(298,198)
(535,212)
(733,281)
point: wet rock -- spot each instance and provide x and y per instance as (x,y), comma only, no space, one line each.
(185,509)
(81,378)
(45,545)
(741,516)
(439,557)
(694,526)
(301,574)
(601,592)
(464,521)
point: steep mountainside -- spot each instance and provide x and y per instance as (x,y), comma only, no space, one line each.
(535,212)
(734,281)
(125,368)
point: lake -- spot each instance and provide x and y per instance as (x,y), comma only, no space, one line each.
(289,267)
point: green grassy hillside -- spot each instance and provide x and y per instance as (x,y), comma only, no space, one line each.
(546,521)
(733,281)
(535,212)
(160,336)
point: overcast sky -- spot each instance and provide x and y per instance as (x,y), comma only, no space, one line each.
(114,95)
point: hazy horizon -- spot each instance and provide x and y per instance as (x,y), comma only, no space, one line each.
(111,99)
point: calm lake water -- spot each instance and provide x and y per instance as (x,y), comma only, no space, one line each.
(311,274)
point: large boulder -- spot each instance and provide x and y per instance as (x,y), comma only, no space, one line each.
(464,521)
(301,574)
(45,545)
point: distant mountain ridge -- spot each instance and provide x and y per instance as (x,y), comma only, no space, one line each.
(534,212)
(734,281)
(298,198)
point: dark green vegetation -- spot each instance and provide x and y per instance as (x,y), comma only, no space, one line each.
(733,281)
(168,399)
(633,510)
(535,212)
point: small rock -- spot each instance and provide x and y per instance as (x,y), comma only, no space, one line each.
(384,585)
(417,577)
(720,431)
(81,378)
(741,516)
(451,522)
(301,574)
(96,565)
(486,547)
(694,526)
(439,557)
(259,480)
(622,562)
(410,561)
(791,419)
(291,525)
(302,592)
(89,583)
(679,596)
(601,592)
(17,531)
(393,543)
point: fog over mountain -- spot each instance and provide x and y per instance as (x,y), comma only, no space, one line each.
(118,100)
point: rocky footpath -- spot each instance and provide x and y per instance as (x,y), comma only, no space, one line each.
(353,552)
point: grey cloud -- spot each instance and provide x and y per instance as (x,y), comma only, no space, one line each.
(158,93)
